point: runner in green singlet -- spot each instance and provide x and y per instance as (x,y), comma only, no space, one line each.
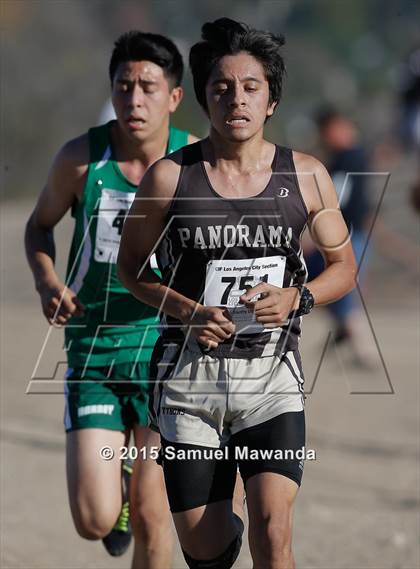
(109,334)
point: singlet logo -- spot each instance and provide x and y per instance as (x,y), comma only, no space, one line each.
(282,192)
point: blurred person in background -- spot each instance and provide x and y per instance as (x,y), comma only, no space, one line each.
(96,176)
(399,149)
(409,88)
(410,114)
(346,162)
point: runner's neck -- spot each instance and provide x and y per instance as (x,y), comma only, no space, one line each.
(245,157)
(134,159)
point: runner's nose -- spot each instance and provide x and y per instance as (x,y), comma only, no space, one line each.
(137,97)
(237,96)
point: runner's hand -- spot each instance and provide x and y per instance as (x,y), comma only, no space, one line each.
(274,306)
(211,326)
(59,303)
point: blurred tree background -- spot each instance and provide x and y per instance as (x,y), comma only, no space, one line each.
(55,54)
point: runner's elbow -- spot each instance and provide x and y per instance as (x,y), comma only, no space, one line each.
(351,276)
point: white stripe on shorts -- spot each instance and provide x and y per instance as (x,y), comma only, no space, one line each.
(67,417)
(295,366)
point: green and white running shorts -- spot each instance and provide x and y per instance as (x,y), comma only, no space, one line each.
(114,398)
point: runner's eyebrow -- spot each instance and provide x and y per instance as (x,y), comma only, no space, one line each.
(144,81)
(225,80)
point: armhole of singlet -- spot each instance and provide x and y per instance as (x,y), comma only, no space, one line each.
(98,137)
(193,149)
(293,170)
(79,205)
(178,184)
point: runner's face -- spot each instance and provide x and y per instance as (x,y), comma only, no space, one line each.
(143,98)
(237,95)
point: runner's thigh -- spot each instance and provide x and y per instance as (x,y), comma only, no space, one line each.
(94,483)
(148,493)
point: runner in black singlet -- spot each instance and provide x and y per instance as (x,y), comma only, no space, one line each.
(226,221)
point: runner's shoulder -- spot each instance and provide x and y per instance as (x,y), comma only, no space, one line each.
(162,177)
(185,153)
(74,153)
(71,162)
(306,163)
(70,166)
(164,174)
(315,183)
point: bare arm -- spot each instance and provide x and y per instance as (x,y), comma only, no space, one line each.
(143,229)
(64,186)
(328,230)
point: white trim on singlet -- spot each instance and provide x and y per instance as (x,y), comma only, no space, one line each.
(300,253)
(271,346)
(171,280)
(105,158)
(86,253)
(302,258)
(295,367)
(67,416)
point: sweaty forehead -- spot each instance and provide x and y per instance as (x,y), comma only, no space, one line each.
(139,70)
(241,66)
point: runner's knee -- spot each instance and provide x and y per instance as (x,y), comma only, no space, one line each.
(223,561)
(149,521)
(272,539)
(91,526)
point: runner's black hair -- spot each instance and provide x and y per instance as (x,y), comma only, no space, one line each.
(227,37)
(140,46)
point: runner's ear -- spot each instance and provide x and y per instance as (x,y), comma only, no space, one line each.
(175,98)
(271,108)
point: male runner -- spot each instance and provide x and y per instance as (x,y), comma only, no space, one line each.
(226,215)
(107,339)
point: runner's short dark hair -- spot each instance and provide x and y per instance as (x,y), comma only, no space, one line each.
(227,37)
(139,46)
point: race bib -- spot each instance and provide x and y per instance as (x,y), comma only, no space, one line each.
(113,209)
(228,280)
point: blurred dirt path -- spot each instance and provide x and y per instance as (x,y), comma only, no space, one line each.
(359,502)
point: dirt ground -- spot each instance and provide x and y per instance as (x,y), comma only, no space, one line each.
(359,503)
